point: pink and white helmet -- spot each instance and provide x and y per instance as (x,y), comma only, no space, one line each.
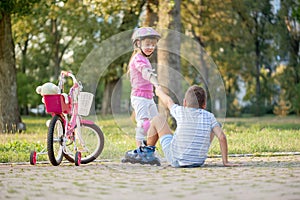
(144,32)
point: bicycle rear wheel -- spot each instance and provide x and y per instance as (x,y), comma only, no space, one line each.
(55,140)
(93,139)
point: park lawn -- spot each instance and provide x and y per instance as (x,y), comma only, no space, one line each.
(251,135)
(259,135)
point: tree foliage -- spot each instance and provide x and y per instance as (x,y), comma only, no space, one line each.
(289,51)
(247,39)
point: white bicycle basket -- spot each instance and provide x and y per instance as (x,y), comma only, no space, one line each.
(85,100)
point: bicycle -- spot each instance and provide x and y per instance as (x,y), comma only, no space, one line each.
(66,136)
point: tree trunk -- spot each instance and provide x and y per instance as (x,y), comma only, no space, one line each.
(107,102)
(169,70)
(151,16)
(257,58)
(56,38)
(257,80)
(10,118)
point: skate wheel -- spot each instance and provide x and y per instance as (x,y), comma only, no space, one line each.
(33,157)
(78,158)
(157,164)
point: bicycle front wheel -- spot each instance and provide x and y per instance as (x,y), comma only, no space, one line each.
(90,143)
(55,140)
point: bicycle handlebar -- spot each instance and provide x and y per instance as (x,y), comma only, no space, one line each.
(69,74)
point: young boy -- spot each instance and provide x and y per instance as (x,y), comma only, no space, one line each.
(189,145)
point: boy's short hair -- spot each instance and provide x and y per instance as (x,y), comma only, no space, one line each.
(195,97)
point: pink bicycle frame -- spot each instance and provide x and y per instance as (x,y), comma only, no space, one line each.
(75,120)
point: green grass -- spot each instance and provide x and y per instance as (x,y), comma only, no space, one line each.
(261,135)
(245,135)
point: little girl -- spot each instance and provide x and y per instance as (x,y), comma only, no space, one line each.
(142,80)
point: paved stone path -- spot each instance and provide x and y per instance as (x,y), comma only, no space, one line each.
(258,178)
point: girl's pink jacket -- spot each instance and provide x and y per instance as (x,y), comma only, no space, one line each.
(140,87)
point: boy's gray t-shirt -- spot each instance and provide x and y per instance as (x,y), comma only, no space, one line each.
(191,139)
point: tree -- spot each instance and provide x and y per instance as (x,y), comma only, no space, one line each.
(69,23)
(255,18)
(118,16)
(169,68)
(54,36)
(289,50)
(212,25)
(10,120)
(151,17)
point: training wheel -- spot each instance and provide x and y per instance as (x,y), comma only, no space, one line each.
(78,158)
(33,157)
